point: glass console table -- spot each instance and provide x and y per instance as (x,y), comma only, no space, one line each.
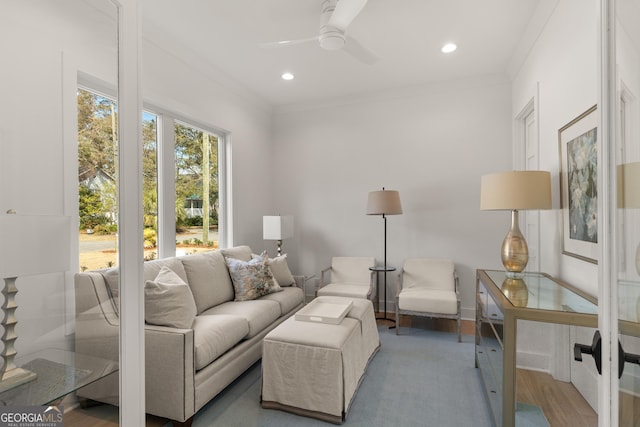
(501,302)
(59,373)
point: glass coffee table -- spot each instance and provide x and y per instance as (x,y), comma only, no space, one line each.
(58,373)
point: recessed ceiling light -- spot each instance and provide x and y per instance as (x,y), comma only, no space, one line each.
(449,47)
(287,76)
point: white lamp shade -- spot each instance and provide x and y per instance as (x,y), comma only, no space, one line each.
(277,227)
(629,185)
(34,244)
(384,202)
(516,190)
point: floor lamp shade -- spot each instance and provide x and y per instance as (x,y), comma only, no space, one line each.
(31,245)
(515,191)
(384,202)
(277,227)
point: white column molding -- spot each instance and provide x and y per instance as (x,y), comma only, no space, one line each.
(132,354)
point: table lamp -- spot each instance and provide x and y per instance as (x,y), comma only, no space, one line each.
(384,202)
(515,191)
(31,245)
(277,228)
(629,192)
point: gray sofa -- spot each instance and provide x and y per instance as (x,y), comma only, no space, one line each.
(185,367)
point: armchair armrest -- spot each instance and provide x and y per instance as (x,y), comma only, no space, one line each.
(398,285)
(322,275)
(456,282)
(373,285)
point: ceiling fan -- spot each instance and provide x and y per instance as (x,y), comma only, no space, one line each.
(336,16)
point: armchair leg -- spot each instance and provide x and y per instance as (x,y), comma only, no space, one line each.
(397,321)
(459,329)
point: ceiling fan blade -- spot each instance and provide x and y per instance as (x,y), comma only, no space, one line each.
(284,43)
(345,12)
(360,52)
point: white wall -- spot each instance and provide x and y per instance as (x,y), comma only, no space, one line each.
(430,143)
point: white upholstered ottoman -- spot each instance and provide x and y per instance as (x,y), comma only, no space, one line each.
(314,369)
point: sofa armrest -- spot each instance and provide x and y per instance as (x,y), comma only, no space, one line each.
(169,391)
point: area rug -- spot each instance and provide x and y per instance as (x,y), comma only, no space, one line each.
(420,378)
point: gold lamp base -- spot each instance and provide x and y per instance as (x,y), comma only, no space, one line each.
(516,290)
(515,253)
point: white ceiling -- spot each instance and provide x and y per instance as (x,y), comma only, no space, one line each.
(406,34)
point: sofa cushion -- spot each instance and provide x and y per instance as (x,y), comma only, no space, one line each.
(242,253)
(251,279)
(259,313)
(208,278)
(279,268)
(428,301)
(289,298)
(151,270)
(213,335)
(168,301)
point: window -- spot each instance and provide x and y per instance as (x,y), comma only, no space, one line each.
(197,188)
(97,180)
(150,183)
(193,167)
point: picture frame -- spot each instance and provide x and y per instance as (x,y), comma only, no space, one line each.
(578,141)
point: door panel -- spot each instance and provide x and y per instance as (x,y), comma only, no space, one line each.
(626,192)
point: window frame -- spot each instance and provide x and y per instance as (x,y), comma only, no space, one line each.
(165,143)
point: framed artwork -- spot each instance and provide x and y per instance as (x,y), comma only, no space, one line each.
(579,185)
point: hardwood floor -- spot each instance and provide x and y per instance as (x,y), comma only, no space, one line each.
(103,416)
(561,403)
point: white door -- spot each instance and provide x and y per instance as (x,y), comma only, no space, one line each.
(624,268)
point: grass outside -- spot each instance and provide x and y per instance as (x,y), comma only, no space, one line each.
(107,255)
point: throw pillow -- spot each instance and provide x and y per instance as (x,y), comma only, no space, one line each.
(279,269)
(251,279)
(168,301)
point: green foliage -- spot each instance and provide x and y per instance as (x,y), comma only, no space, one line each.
(149,235)
(91,209)
(105,229)
(98,159)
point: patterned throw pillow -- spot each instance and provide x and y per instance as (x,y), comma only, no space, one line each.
(279,268)
(251,279)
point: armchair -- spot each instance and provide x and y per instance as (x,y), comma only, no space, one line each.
(350,277)
(428,288)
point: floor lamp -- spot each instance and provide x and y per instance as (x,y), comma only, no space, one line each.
(31,245)
(384,202)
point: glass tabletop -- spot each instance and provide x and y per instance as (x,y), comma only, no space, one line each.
(538,291)
(58,373)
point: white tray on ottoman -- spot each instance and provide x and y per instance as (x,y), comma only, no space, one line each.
(325,310)
(313,368)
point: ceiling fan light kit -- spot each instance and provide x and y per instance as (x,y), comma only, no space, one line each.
(335,17)
(331,40)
